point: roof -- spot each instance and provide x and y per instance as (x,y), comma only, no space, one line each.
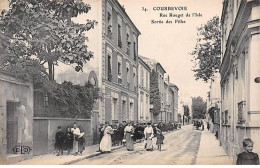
(156,63)
(123,10)
(142,61)
(173,85)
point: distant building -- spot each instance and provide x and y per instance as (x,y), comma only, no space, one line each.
(240,94)
(144,72)
(158,72)
(175,90)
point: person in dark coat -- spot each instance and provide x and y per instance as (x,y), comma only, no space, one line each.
(208,127)
(59,142)
(81,141)
(248,157)
(101,134)
(160,138)
(69,137)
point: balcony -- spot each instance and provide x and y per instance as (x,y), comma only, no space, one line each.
(240,114)
(120,81)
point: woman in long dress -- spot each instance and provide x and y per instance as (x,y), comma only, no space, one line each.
(106,142)
(129,133)
(148,135)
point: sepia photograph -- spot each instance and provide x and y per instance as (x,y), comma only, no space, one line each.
(129,82)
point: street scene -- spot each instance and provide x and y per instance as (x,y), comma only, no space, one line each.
(120,82)
(180,147)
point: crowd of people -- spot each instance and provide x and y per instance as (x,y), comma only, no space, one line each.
(127,133)
(72,140)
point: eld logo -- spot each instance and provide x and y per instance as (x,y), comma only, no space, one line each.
(22,149)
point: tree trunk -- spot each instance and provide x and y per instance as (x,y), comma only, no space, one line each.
(51,71)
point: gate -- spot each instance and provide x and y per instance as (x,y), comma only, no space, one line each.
(40,137)
(12,126)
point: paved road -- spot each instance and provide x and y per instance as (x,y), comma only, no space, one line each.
(180,148)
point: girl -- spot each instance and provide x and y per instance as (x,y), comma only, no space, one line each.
(160,138)
(248,157)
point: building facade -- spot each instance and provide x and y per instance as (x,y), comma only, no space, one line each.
(144,72)
(175,90)
(213,104)
(240,93)
(16,108)
(158,89)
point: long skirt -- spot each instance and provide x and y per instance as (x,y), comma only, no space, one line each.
(75,146)
(129,141)
(149,142)
(81,143)
(106,143)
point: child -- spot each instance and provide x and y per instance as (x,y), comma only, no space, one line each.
(248,157)
(69,138)
(59,141)
(160,138)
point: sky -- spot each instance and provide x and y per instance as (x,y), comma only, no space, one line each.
(170,44)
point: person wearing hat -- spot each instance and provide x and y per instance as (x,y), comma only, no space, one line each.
(81,142)
(129,133)
(59,141)
(69,138)
(148,135)
(106,142)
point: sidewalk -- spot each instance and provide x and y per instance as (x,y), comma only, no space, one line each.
(52,159)
(210,153)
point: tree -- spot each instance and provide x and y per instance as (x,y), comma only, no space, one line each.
(199,108)
(207,52)
(42,32)
(155,99)
(186,111)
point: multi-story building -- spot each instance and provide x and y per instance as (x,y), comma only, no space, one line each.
(240,92)
(175,90)
(157,86)
(114,68)
(144,72)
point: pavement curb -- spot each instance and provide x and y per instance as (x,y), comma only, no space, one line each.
(89,156)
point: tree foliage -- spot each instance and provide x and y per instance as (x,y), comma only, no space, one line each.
(199,108)
(43,30)
(186,110)
(207,52)
(155,98)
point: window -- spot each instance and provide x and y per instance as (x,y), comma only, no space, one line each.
(109,68)
(45,100)
(135,51)
(109,64)
(109,20)
(119,69)
(147,80)
(142,77)
(119,32)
